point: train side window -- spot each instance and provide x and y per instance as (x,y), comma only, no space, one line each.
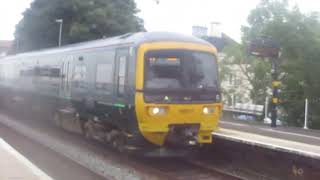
(79,76)
(122,74)
(55,72)
(1,73)
(104,76)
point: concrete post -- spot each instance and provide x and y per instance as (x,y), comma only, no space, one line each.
(306,115)
(266,108)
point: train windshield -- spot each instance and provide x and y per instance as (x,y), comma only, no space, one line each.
(180,70)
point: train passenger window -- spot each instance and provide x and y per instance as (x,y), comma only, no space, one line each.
(80,72)
(27,72)
(79,76)
(55,72)
(1,73)
(104,76)
(122,74)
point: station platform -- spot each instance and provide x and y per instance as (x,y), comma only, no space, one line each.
(15,166)
(291,140)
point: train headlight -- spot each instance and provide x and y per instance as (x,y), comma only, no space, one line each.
(157,111)
(208,110)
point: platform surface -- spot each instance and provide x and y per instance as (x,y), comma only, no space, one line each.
(292,140)
(15,166)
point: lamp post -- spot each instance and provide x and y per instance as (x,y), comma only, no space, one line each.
(60,21)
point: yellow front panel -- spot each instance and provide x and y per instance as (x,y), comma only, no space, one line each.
(155,127)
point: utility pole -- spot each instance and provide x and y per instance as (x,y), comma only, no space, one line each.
(60,21)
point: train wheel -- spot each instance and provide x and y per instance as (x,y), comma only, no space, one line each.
(87,134)
(87,130)
(119,143)
(57,119)
(78,126)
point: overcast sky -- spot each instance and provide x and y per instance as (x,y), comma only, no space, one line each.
(168,15)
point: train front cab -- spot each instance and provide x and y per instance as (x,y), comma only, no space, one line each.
(177,116)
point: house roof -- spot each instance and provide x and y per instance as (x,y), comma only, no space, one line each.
(220,42)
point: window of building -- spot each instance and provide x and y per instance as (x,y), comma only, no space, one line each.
(231,79)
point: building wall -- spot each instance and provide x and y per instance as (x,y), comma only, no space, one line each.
(235,85)
(5,47)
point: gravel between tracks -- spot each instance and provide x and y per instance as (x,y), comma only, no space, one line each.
(86,154)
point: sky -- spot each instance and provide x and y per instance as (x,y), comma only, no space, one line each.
(169,15)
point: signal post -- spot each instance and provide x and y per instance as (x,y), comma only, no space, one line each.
(267,48)
(275,91)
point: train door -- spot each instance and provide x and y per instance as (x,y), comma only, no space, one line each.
(65,85)
(122,56)
(79,79)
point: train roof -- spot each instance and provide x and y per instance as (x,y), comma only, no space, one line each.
(131,38)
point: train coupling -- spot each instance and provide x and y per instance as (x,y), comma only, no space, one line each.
(183,135)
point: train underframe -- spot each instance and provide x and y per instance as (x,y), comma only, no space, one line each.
(181,139)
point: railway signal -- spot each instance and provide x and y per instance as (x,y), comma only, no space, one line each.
(268,48)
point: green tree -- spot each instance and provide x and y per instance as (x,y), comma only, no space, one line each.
(299,36)
(82,21)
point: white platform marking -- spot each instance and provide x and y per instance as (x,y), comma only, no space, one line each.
(290,133)
(271,143)
(232,123)
(35,170)
(273,130)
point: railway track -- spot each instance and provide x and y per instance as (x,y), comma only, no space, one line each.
(182,169)
(110,164)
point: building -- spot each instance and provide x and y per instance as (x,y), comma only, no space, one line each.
(235,85)
(199,31)
(215,30)
(5,47)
